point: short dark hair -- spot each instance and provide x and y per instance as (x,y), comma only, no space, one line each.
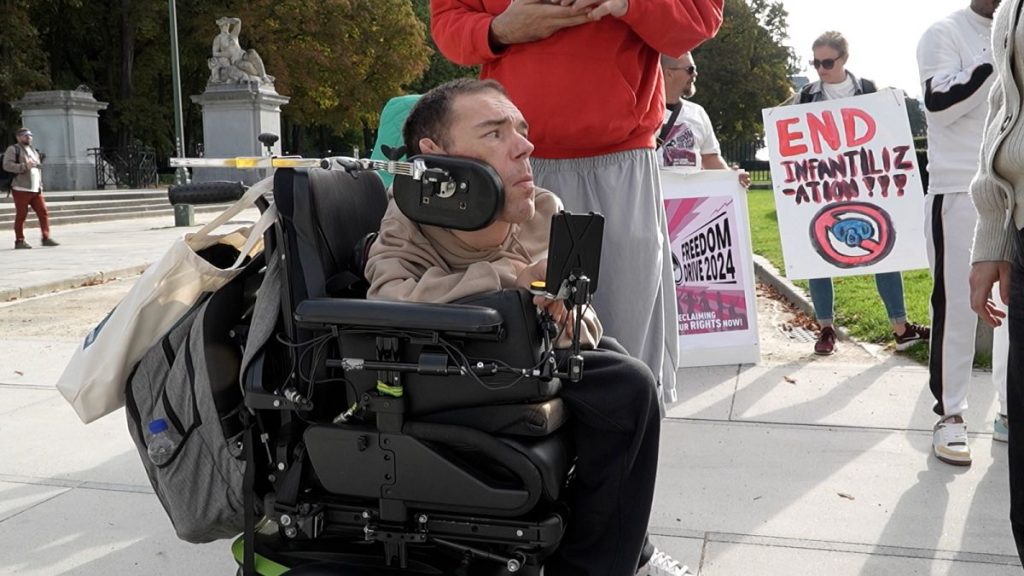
(431,115)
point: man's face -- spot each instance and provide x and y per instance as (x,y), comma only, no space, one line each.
(25,139)
(679,82)
(825,56)
(486,126)
(985,8)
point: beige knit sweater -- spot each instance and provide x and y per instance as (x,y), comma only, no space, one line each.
(419,263)
(998,187)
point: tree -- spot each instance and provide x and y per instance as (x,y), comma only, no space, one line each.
(744,69)
(440,69)
(119,49)
(338,60)
(25,66)
(915,111)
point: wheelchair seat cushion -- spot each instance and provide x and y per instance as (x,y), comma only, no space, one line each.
(532,420)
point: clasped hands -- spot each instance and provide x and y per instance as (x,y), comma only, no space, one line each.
(531,20)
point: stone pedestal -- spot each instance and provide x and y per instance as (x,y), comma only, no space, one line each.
(233,116)
(64,125)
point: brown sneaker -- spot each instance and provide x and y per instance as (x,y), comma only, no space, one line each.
(21,245)
(911,334)
(826,343)
(50,242)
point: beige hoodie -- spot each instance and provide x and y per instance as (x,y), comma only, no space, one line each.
(420,263)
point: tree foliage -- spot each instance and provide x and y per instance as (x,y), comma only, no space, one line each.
(915,112)
(440,69)
(24,67)
(744,69)
(338,60)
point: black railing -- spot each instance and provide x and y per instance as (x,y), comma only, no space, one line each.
(744,155)
(131,166)
(736,152)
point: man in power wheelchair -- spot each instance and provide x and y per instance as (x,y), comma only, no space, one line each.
(428,437)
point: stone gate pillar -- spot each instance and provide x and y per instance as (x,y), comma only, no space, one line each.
(64,125)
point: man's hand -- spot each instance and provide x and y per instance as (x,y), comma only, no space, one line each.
(744,178)
(597,9)
(983,276)
(31,163)
(556,308)
(532,20)
(532,273)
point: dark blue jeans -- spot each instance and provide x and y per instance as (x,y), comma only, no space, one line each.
(890,288)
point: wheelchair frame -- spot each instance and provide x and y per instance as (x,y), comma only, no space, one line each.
(376,507)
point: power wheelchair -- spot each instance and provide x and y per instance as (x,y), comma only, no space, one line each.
(389,437)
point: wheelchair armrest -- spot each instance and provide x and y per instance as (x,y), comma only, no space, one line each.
(406,315)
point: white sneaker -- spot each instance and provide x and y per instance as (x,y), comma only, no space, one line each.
(949,441)
(662,564)
(1001,428)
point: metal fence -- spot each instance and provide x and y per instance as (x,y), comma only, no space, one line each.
(744,154)
(130,166)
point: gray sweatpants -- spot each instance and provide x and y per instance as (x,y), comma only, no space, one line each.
(635,298)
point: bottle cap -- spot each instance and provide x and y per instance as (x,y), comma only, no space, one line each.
(157,426)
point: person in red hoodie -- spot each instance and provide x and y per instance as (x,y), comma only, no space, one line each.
(586,76)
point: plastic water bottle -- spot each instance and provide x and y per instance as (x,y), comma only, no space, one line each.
(161,442)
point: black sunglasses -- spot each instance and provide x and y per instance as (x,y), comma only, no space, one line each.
(827,63)
(691,69)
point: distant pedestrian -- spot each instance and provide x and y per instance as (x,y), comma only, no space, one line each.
(27,188)
(831,51)
(955,60)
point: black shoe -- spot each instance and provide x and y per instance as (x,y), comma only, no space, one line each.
(21,245)
(50,242)
(911,335)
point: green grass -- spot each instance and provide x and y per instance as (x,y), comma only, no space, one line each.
(857,305)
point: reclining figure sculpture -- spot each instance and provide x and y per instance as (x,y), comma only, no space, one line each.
(230,64)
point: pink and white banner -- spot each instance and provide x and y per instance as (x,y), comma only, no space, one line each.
(712,266)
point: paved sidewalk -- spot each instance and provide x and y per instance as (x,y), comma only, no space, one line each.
(797,466)
(90,253)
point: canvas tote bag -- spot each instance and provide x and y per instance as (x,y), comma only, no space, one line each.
(95,378)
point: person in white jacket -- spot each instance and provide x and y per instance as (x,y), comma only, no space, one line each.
(998,192)
(955,62)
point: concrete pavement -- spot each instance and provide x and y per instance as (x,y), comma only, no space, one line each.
(799,465)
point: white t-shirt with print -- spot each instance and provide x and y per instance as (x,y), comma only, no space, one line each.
(691,136)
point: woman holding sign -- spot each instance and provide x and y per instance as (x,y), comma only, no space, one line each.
(830,54)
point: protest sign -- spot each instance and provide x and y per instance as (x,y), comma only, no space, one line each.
(709,233)
(847,188)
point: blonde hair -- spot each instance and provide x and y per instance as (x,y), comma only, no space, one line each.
(833,40)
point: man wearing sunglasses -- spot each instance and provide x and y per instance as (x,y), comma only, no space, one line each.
(955,62)
(687,140)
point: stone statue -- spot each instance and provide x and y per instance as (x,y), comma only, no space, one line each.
(232,65)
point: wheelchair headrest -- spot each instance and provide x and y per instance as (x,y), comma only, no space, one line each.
(454,192)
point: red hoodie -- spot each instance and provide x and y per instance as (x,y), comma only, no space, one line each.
(588,90)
